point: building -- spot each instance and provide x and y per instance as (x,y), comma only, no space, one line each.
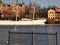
(18,9)
(12,9)
(51,14)
(57,11)
(5,10)
(54,14)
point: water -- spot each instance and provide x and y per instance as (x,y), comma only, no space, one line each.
(43,29)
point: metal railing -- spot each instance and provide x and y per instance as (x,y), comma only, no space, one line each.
(32,38)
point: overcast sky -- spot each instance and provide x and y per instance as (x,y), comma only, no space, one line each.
(42,3)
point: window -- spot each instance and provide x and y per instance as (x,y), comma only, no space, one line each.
(51,12)
(0,11)
(49,15)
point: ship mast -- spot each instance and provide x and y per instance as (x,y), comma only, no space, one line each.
(34,11)
(16,9)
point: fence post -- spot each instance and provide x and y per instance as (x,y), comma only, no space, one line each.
(8,37)
(56,38)
(32,37)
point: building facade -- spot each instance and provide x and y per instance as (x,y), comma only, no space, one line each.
(57,11)
(54,14)
(51,14)
(12,9)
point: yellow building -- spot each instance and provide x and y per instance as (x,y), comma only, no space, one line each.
(51,14)
(54,14)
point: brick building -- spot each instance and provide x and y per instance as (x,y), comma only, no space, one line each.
(12,9)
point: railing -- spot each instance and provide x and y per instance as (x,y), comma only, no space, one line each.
(32,38)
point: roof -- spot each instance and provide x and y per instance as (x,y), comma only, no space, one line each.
(57,9)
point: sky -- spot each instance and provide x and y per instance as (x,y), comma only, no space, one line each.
(42,3)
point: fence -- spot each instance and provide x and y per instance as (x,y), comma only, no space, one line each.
(32,38)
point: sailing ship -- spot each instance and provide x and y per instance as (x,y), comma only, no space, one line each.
(33,22)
